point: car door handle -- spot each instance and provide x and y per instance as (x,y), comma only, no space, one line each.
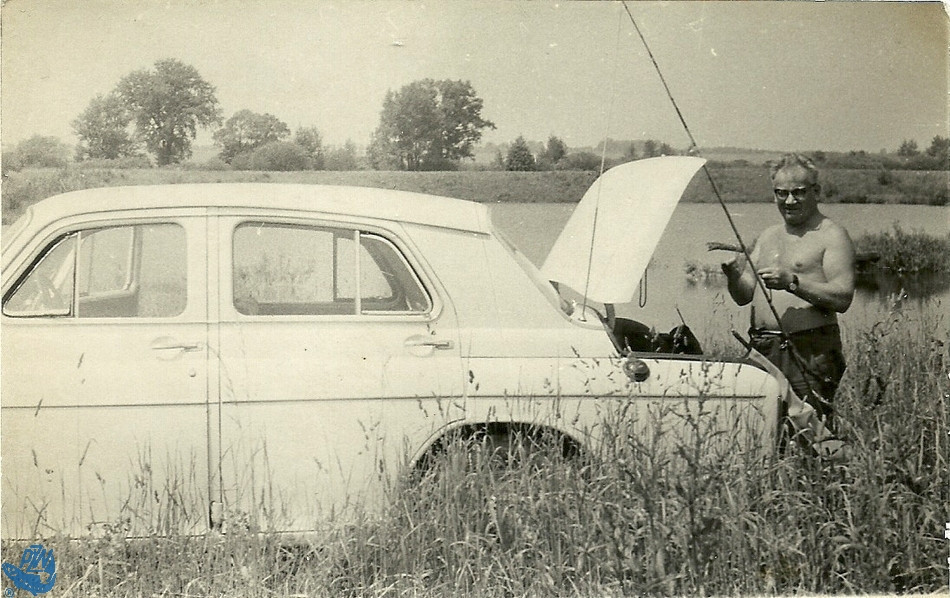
(427,341)
(169,344)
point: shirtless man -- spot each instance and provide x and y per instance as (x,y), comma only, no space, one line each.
(807,265)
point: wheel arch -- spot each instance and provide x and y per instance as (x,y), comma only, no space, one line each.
(570,445)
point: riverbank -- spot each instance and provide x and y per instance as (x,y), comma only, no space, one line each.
(737,184)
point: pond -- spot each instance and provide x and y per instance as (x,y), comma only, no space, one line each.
(669,291)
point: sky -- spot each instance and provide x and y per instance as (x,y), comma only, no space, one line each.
(769,75)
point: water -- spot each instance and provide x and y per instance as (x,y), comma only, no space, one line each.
(702,301)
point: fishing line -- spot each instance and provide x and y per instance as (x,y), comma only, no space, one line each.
(693,147)
(603,162)
(785,338)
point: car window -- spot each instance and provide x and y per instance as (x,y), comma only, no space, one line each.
(123,271)
(388,282)
(106,260)
(286,269)
(47,290)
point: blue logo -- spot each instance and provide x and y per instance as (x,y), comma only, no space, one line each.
(37,571)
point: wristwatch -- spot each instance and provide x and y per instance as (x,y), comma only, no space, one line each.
(793,286)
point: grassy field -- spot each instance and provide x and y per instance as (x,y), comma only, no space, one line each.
(735,183)
(640,518)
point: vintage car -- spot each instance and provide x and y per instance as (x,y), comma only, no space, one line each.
(177,356)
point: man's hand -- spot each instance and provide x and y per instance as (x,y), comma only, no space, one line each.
(775,277)
(734,267)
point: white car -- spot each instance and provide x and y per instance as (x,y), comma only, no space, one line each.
(177,357)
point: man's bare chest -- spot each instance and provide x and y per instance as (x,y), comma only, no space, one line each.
(801,254)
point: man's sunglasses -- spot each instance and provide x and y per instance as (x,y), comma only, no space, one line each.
(799,193)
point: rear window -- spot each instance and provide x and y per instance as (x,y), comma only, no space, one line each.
(288,269)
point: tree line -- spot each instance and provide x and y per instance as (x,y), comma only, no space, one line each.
(153,116)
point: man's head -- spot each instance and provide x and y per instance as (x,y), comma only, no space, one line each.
(795,188)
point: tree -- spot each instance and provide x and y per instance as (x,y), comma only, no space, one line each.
(246,131)
(908,148)
(667,150)
(105,130)
(168,105)
(940,149)
(311,141)
(556,149)
(519,156)
(428,125)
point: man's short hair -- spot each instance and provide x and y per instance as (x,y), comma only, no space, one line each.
(795,161)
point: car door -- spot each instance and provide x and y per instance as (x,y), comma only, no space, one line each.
(104,386)
(336,346)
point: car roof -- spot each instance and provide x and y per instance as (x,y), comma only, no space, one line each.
(386,204)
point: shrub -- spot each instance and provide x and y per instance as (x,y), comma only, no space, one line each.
(24,188)
(341,158)
(280,155)
(211,164)
(242,161)
(275,156)
(580,161)
(42,152)
(907,252)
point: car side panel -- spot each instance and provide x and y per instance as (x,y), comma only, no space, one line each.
(513,337)
(528,363)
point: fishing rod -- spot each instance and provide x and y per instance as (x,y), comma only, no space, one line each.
(783,334)
(693,148)
(603,164)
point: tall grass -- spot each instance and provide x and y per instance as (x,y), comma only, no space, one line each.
(705,517)
(648,514)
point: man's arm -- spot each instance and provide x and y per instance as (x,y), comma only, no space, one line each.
(740,279)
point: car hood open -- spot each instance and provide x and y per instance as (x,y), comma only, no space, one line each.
(607,243)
